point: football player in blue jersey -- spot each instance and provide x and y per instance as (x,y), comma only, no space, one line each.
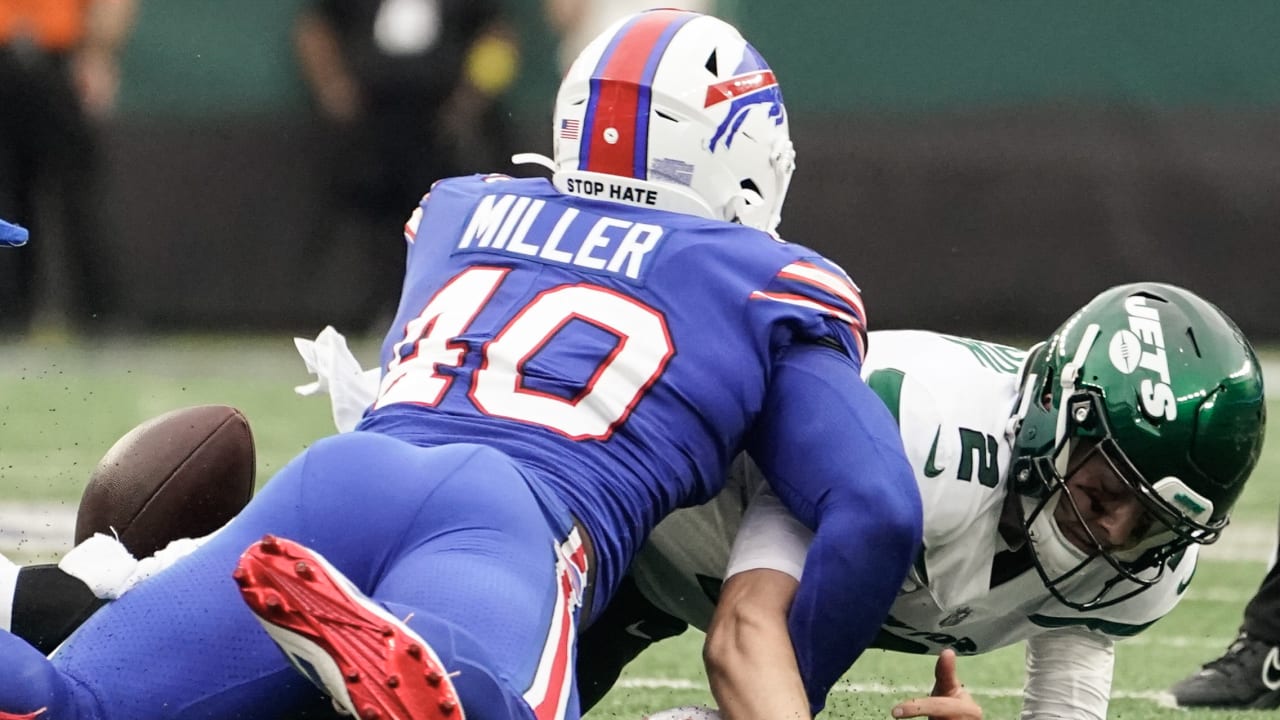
(571,361)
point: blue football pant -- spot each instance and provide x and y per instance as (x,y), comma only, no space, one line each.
(450,537)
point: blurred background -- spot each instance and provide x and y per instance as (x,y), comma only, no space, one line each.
(978,167)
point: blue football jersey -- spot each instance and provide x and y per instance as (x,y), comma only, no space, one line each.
(619,354)
(624,356)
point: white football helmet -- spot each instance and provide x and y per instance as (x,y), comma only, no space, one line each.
(674,110)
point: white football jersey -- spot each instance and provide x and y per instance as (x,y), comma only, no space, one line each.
(953,398)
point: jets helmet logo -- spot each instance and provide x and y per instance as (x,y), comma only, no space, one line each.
(1141,347)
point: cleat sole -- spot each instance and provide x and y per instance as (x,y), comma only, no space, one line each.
(373,666)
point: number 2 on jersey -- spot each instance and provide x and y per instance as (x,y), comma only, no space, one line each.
(498,387)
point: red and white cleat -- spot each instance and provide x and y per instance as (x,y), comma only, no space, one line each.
(373,665)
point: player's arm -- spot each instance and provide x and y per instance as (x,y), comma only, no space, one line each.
(750,665)
(1068,675)
(324,68)
(97,61)
(833,455)
(108,24)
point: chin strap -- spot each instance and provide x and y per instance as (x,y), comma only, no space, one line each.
(1070,373)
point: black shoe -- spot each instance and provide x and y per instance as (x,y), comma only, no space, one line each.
(1246,676)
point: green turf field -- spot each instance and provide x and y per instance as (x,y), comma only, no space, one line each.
(63,404)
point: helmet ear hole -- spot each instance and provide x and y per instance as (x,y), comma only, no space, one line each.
(750,197)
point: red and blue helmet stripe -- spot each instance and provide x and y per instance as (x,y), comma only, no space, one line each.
(620,91)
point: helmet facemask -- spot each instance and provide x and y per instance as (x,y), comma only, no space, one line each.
(1053,519)
(1172,514)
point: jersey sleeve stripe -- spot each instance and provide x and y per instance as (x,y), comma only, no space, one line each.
(826,280)
(854,322)
(808,302)
(411,225)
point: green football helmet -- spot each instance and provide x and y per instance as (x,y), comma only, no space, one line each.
(1165,387)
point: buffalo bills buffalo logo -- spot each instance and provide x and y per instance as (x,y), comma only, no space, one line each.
(753,83)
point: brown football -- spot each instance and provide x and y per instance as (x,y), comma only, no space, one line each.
(182,474)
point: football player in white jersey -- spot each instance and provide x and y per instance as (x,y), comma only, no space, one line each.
(1066,492)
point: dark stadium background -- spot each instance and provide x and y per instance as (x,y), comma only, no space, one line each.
(978,167)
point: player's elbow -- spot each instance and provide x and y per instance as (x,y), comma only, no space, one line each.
(888,517)
(903,516)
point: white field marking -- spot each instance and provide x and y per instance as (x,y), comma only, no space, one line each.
(1177,641)
(1160,698)
(1226,596)
(1243,542)
(36,530)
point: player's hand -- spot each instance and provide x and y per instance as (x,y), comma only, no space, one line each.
(949,701)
